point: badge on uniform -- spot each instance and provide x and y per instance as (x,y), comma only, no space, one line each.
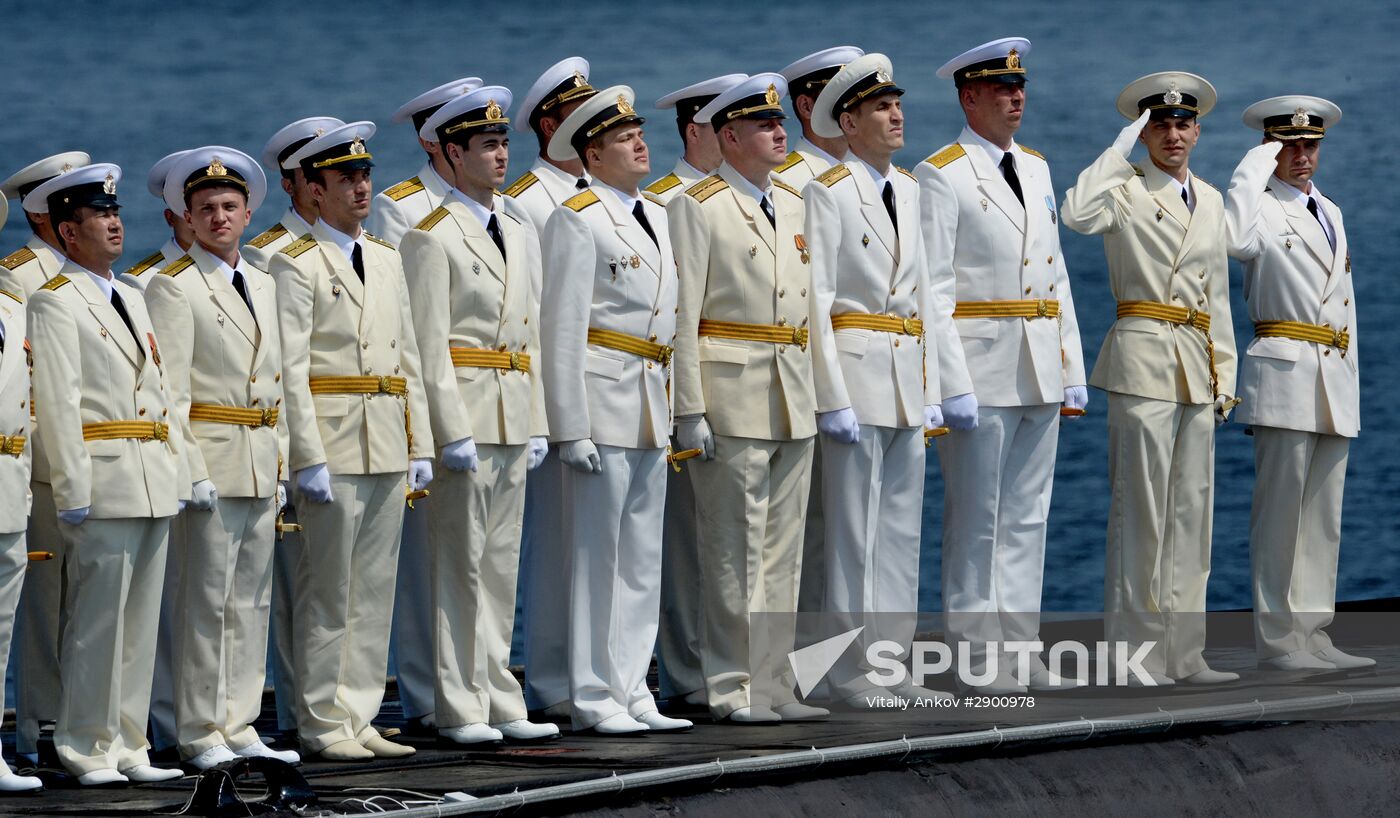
(612,265)
(220,319)
(984,205)
(476,268)
(155,351)
(1159,214)
(1050,203)
(753,251)
(801,242)
(864,240)
(335,290)
(636,262)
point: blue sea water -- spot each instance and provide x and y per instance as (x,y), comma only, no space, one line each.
(131,82)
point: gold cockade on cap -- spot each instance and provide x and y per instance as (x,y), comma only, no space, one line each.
(1013,60)
(771,95)
(623,106)
(1173,95)
(1300,117)
(216,168)
(579,81)
(109,185)
(493,109)
(882,76)
(320,131)
(357,147)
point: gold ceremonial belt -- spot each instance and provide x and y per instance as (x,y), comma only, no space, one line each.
(622,342)
(489,358)
(1164,312)
(12,445)
(766,333)
(126,429)
(1032,308)
(234,415)
(879,323)
(358,385)
(1303,332)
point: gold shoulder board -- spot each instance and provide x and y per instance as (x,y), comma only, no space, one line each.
(21,256)
(404,189)
(834,174)
(146,263)
(268,236)
(580,201)
(520,185)
(653,198)
(431,219)
(705,188)
(664,184)
(791,161)
(906,173)
(947,156)
(300,246)
(378,240)
(1034,153)
(180,265)
(12,295)
(785,186)
(55,282)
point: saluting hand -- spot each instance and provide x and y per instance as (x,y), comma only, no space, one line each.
(1129,135)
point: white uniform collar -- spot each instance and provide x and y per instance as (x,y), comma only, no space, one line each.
(994,152)
(545,168)
(743,185)
(1179,187)
(429,170)
(293,219)
(36,243)
(876,176)
(629,202)
(103,284)
(223,268)
(805,145)
(481,213)
(1302,199)
(344,242)
(682,165)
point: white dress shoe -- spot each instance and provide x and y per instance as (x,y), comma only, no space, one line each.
(1297,660)
(1210,677)
(1344,661)
(212,757)
(797,711)
(9,782)
(478,733)
(147,774)
(619,724)
(525,730)
(102,778)
(259,750)
(754,715)
(383,748)
(661,724)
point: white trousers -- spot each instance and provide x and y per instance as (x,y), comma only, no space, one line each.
(474,521)
(614,521)
(1161,469)
(344,601)
(678,643)
(997,484)
(38,624)
(752,503)
(873,492)
(1295,531)
(544,572)
(285,557)
(221,632)
(14,559)
(414,619)
(163,723)
(115,569)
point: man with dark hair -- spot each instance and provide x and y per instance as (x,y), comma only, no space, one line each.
(812,154)
(359,444)
(216,313)
(181,237)
(609,316)
(699,148)
(300,215)
(1168,365)
(39,618)
(544,554)
(469,271)
(119,475)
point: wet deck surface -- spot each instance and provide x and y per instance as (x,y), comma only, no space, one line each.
(438,769)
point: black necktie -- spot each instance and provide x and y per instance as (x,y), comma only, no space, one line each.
(126,319)
(581,183)
(1008,171)
(493,229)
(242,287)
(888,196)
(357,260)
(767,206)
(1185,199)
(640,215)
(1312,208)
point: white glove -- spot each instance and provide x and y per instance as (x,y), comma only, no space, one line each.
(933,416)
(1129,135)
(537,451)
(840,425)
(1222,413)
(460,455)
(74,516)
(420,472)
(1264,155)
(281,495)
(314,483)
(581,455)
(1076,397)
(960,412)
(693,432)
(203,495)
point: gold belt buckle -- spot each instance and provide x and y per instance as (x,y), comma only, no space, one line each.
(1191,316)
(909,326)
(160,432)
(1042,308)
(269,417)
(664,356)
(384,384)
(799,337)
(515,360)
(7,445)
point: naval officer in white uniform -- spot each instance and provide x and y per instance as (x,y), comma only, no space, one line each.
(1298,379)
